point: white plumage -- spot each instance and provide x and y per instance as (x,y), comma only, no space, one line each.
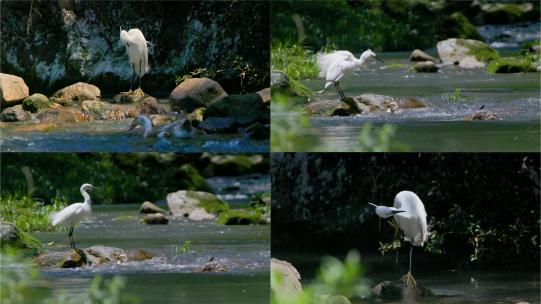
(181,128)
(137,50)
(74,213)
(333,66)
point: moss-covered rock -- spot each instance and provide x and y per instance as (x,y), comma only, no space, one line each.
(195,93)
(99,110)
(11,235)
(155,219)
(425,67)
(148,207)
(183,202)
(454,50)
(79,91)
(240,217)
(510,65)
(35,102)
(415,56)
(458,26)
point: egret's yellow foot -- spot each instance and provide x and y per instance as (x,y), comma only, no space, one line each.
(127,93)
(408,279)
(139,92)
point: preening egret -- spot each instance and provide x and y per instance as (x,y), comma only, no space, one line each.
(74,213)
(137,50)
(333,66)
(181,128)
(410,215)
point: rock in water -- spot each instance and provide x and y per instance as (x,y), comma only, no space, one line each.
(98,110)
(148,207)
(290,282)
(155,219)
(12,89)
(212,266)
(35,102)
(342,109)
(61,115)
(15,113)
(218,125)
(454,50)
(76,92)
(243,109)
(71,259)
(240,217)
(396,290)
(482,115)
(425,67)
(194,93)
(256,131)
(199,214)
(470,62)
(418,55)
(183,202)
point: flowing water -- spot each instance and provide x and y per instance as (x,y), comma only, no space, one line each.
(510,284)
(113,136)
(515,98)
(169,277)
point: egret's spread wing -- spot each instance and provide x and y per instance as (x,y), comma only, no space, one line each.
(325,61)
(338,68)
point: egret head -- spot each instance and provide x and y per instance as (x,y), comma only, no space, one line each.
(370,54)
(386,212)
(86,187)
(138,120)
(124,37)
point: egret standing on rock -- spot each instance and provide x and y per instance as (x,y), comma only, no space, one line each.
(74,213)
(410,215)
(137,50)
(333,66)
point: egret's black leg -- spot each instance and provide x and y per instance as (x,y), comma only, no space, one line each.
(140,71)
(133,77)
(70,234)
(339,91)
(411,251)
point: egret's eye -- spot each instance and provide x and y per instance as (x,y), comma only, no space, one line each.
(127,44)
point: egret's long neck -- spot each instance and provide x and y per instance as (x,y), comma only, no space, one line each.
(147,124)
(362,59)
(86,197)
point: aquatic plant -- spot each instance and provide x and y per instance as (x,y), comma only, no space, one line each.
(184,248)
(455,97)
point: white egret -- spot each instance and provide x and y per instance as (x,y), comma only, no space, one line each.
(137,50)
(181,128)
(333,66)
(410,215)
(74,213)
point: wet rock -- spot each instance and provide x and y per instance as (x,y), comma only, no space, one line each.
(160,119)
(13,89)
(70,259)
(147,106)
(102,254)
(511,65)
(212,266)
(129,97)
(95,255)
(454,50)
(199,214)
(99,110)
(482,115)
(218,125)
(138,255)
(194,93)
(240,217)
(183,202)
(425,67)
(243,109)
(15,113)
(155,219)
(35,102)
(265,95)
(61,115)
(418,55)
(11,235)
(396,290)
(148,207)
(375,102)
(320,107)
(256,131)
(279,80)
(342,109)
(76,92)
(470,62)
(290,282)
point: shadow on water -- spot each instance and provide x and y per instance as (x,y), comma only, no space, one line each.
(500,284)
(169,277)
(440,126)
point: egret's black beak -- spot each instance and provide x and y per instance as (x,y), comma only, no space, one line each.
(397,211)
(379,59)
(133,125)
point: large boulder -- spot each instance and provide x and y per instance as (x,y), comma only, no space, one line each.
(11,235)
(148,207)
(15,113)
(511,65)
(454,50)
(147,106)
(99,110)
(35,102)
(279,80)
(470,62)
(457,25)
(266,94)
(243,109)
(290,279)
(418,55)
(200,214)
(61,115)
(12,89)
(398,290)
(194,93)
(218,125)
(69,259)
(183,202)
(79,91)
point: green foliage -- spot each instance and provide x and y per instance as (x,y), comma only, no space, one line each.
(298,63)
(28,214)
(240,217)
(197,73)
(290,127)
(458,26)
(510,65)
(372,140)
(109,291)
(455,97)
(334,279)
(184,248)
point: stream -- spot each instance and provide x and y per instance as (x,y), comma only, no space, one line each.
(113,136)
(510,284)
(169,277)
(515,98)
